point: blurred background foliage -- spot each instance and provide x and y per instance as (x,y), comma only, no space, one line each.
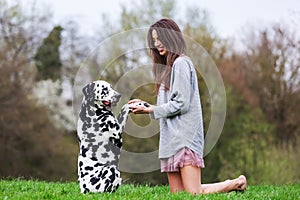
(39,62)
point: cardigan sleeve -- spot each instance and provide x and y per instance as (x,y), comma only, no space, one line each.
(180,92)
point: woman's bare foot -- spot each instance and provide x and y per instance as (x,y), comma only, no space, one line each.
(241,183)
(238,185)
(243,186)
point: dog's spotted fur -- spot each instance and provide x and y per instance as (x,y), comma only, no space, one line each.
(100,138)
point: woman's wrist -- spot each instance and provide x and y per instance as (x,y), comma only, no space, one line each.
(150,109)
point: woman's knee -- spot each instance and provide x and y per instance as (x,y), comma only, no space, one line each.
(191,179)
(175,182)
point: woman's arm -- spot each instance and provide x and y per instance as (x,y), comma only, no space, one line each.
(180,96)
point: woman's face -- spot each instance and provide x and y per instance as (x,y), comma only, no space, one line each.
(158,45)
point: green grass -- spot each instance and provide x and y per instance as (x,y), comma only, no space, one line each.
(21,189)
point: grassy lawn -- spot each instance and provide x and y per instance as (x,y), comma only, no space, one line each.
(21,189)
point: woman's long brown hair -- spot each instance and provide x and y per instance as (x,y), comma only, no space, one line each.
(169,34)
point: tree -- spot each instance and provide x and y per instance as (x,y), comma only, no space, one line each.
(272,71)
(76,47)
(19,38)
(263,121)
(30,146)
(243,144)
(47,56)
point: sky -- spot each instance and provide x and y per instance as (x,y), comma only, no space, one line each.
(228,17)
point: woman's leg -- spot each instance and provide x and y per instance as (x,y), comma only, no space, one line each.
(175,182)
(239,183)
(191,180)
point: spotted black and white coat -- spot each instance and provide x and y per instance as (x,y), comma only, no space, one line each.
(100,138)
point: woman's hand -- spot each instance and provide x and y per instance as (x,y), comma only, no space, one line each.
(138,106)
(132,101)
(141,109)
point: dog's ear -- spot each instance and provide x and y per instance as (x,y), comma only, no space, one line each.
(88,91)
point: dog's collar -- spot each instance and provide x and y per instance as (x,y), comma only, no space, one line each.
(102,103)
(97,105)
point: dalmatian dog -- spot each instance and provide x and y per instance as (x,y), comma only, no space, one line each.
(100,138)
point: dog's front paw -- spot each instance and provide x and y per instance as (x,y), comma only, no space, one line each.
(140,103)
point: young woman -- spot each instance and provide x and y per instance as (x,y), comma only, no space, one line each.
(179,113)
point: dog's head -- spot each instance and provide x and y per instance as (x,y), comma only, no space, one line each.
(100,93)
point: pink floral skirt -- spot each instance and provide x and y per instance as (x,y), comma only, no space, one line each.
(183,157)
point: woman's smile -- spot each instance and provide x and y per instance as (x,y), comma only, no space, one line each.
(162,50)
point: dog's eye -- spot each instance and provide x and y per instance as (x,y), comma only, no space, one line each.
(97,85)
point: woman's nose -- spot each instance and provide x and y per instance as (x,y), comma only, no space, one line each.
(156,43)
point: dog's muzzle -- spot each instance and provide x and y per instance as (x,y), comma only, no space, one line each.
(115,99)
